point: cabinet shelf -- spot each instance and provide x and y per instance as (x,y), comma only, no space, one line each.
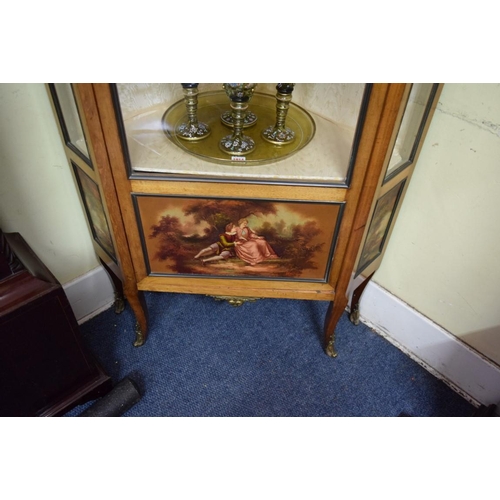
(320,155)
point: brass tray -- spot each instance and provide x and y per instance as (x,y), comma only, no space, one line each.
(211,105)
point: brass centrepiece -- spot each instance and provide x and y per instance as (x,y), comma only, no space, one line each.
(210,107)
(139,335)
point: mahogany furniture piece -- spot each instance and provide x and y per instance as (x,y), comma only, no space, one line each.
(45,370)
(325,204)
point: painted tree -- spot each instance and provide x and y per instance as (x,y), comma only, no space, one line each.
(171,244)
(301,248)
(218,213)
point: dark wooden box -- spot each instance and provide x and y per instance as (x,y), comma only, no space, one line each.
(45,369)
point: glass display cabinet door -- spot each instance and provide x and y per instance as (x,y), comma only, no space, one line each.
(70,122)
(325,120)
(418,106)
(415,117)
(80,157)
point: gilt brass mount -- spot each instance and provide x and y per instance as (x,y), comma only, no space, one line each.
(234,301)
(119,303)
(354,315)
(330,348)
(139,335)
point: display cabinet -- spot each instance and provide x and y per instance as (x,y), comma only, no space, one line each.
(242,191)
(96,192)
(411,126)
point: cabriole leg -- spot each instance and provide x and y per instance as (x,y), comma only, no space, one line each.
(138,304)
(118,288)
(356,297)
(334,313)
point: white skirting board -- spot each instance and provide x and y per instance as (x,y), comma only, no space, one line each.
(90,294)
(465,370)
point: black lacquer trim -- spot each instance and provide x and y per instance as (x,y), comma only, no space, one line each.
(335,238)
(151,176)
(423,123)
(140,227)
(359,130)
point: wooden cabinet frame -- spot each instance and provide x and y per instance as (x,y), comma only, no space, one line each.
(383,113)
(398,180)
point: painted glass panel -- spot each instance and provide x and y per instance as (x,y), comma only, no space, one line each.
(72,125)
(379,226)
(263,239)
(95,211)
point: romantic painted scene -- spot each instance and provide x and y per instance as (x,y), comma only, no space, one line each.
(238,238)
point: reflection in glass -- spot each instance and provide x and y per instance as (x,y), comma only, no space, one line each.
(411,126)
(338,111)
(72,124)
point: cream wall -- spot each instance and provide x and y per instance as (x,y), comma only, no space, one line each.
(442,258)
(38,197)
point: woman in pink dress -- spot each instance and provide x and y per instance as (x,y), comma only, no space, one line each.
(250,247)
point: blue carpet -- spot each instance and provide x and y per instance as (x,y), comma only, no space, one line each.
(263,359)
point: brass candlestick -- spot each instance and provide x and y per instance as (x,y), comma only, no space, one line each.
(193,130)
(279,134)
(237,143)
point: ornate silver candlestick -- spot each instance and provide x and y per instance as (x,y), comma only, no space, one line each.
(279,134)
(193,130)
(237,143)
